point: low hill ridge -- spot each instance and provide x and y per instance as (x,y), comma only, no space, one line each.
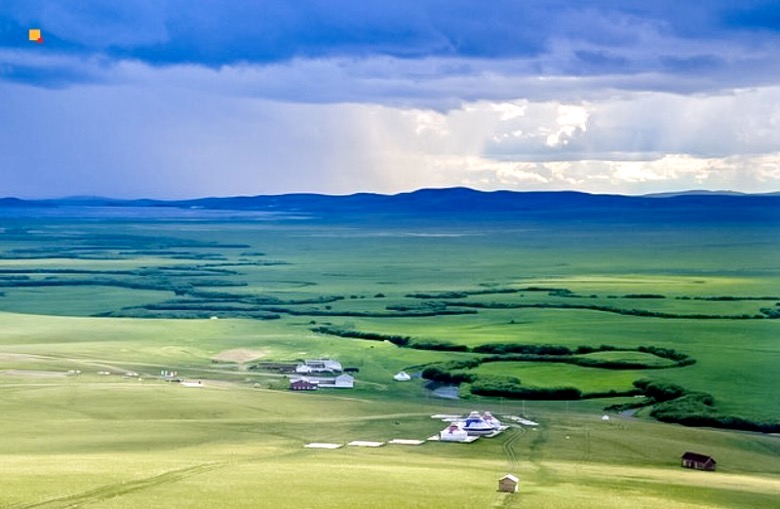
(465,203)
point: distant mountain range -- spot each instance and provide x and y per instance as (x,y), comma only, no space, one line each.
(702,192)
(462,203)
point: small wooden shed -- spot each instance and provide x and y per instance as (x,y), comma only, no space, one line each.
(508,484)
(698,461)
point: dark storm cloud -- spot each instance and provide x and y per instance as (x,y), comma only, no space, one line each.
(180,98)
(602,36)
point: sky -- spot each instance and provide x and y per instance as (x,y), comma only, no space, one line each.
(186,98)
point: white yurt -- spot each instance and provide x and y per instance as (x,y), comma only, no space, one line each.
(476,425)
(453,433)
(491,421)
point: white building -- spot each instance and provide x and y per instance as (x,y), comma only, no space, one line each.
(319,366)
(344,382)
(402,376)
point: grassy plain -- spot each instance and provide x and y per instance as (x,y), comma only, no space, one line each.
(115,442)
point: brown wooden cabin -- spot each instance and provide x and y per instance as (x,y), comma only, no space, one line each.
(698,461)
(508,484)
(303,385)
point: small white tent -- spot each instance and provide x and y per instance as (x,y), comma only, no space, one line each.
(453,433)
(402,376)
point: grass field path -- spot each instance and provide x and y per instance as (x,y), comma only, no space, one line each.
(509,445)
(119,489)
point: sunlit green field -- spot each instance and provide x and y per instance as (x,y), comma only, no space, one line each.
(139,297)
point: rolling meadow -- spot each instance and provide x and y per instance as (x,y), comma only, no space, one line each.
(95,304)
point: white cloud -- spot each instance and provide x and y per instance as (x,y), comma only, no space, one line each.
(188,131)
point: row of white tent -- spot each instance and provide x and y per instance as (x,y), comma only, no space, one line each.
(471,428)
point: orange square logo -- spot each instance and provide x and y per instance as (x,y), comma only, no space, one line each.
(35,35)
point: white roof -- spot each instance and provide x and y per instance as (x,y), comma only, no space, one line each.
(329,363)
(510,477)
(321,445)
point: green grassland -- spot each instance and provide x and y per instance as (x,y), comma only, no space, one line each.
(80,296)
(110,441)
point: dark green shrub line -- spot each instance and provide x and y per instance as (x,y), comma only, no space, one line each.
(509,387)
(188,270)
(427,306)
(186,314)
(446,374)
(512,348)
(217,282)
(173,255)
(460,294)
(267,299)
(402,341)
(84,282)
(217,303)
(513,388)
(68,271)
(659,391)
(563,292)
(157,284)
(665,353)
(671,403)
(578,361)
(560,292)
(371,336)
(509,352)
(198,256)
(269,263)
(441,346)
(713,420)
(438,295)
(261,300)
(675,404)
(370,314)
(698,409)
(771,312)
(183,271)
(64,256)
(728,298)
(607,309)
(212,295)
(612,393)
(197,307)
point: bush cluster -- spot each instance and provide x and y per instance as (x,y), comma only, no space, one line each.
(607,309)
(370,336)
(509,387)
(511,348)
(441,346)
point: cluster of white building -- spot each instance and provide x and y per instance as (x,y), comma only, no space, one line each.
(471,428)
(320,366)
